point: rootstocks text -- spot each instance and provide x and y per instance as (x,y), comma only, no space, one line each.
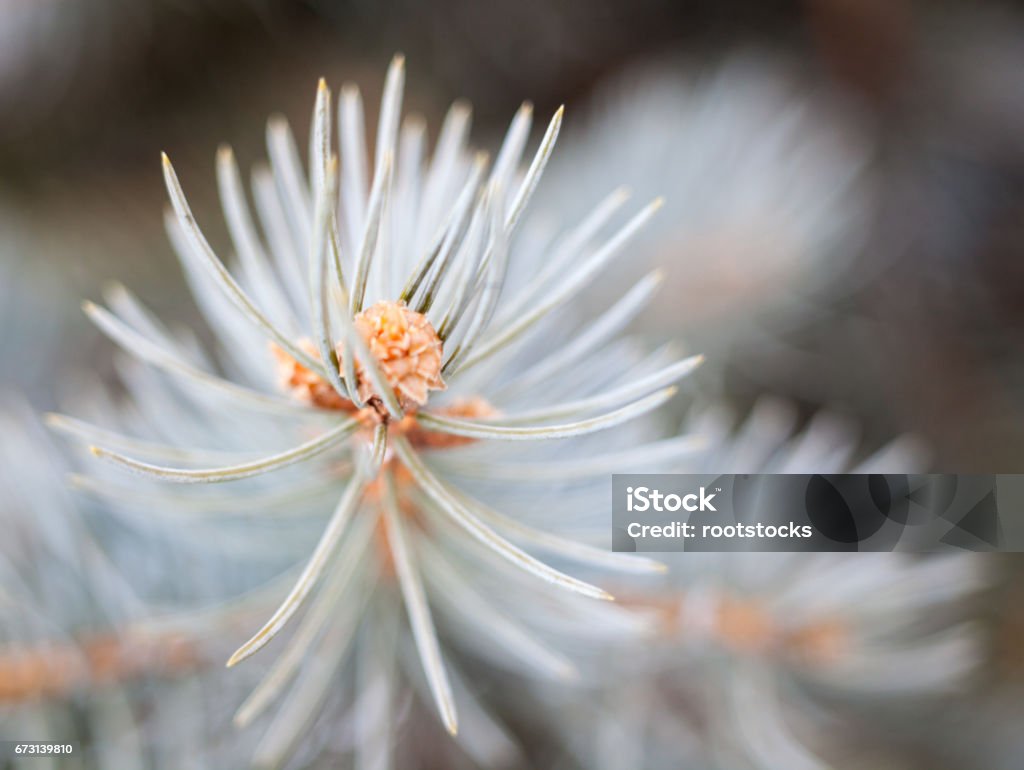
(641,499)
(817,512)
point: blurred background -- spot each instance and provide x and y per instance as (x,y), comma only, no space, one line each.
(845,185)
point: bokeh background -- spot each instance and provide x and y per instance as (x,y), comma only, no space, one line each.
(845,185)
